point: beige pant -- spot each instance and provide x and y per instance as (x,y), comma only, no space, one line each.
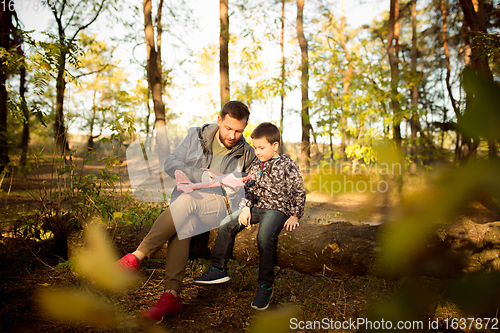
(188,210)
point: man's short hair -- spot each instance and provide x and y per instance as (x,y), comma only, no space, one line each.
(268,131)
(235,109)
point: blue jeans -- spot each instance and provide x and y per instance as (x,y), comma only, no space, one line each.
(271,223)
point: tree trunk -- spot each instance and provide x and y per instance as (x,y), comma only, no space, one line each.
(444,33)
(475,16)
(342,249)
(224,52)
(155,81)
(343,130)
(414,92)
(159,31)
(5,42)
(62,145)
(25,138)
(148,115)
(4,150)
(90,143)
(305,153)
(60,131)
(467,146)
(393,52)
(346,83)
(330,137)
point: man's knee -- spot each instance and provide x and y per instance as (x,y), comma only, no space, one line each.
(182,200)
(232,227)
(226,228)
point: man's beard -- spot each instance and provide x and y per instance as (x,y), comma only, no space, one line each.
(224,142)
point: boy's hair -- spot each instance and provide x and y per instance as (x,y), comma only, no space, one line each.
(235,109)
(268,131)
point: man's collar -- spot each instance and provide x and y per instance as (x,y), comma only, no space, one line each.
(218,140)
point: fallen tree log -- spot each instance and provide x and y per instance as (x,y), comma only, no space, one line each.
(340,249)
(343,249)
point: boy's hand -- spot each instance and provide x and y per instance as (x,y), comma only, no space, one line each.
(291,223)
(245,216)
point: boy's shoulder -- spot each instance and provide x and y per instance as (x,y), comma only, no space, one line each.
(285,160)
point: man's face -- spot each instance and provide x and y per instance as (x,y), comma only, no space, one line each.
(230,130)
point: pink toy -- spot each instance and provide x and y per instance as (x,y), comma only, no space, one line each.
(185,185)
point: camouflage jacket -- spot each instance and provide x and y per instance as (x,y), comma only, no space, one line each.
(276,184)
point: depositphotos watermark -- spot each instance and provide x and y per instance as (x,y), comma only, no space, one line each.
(334,178)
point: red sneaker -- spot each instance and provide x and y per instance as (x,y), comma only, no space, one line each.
(128,263)
(167,305)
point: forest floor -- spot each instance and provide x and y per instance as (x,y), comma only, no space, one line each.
(27,269)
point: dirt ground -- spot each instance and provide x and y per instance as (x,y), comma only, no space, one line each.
(28,268)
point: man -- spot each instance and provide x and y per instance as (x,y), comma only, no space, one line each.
(219,147)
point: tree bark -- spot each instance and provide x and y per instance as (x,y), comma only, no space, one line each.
(414,92)
(155,82)
(344,250)
(25,138)
(224,52)
(393,53)
(468,145)
(5,42)
(60,131)
(475,16)
(90,143)
(305,153)
(444,34)
(346,83)
(159,31)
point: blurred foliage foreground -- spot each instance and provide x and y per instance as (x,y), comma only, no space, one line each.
(418,216)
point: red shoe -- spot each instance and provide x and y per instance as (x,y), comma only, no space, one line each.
(128,263)
(167,305)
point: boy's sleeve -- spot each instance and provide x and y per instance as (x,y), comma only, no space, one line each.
(250,198)
(297,190)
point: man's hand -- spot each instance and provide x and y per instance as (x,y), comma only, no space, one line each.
(291,223)
(245,217)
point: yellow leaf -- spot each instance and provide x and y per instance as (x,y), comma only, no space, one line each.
(97,263)
(275,321)
(76,306)
(117,215)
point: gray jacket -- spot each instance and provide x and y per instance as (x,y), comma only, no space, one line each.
(195,152)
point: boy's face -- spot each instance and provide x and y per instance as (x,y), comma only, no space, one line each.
(230,130)
(264,150)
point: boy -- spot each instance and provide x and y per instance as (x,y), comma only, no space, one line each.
(275,198)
